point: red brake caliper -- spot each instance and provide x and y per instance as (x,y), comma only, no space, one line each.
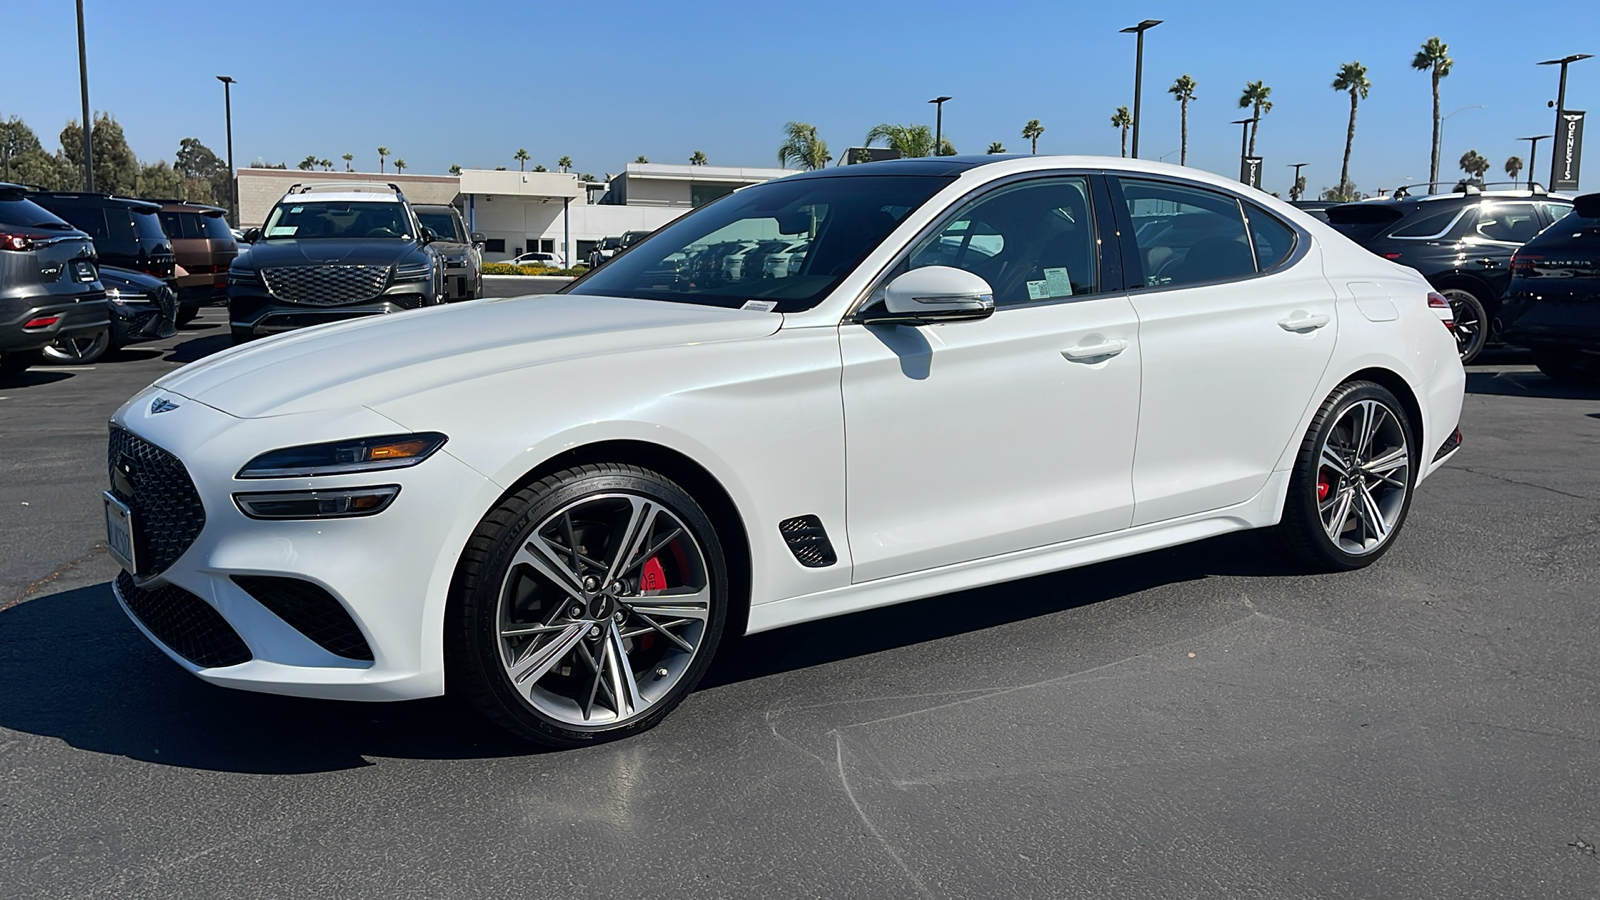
(651,578)
(1323,487)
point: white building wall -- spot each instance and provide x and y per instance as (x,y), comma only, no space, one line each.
(522,222)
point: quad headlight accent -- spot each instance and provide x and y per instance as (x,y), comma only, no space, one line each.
(391,451)
(414,272)
(337,503)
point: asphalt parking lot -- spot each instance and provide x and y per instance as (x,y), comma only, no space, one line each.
(1199,722)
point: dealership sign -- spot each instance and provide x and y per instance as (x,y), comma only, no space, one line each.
(1568,151)
(1250,171)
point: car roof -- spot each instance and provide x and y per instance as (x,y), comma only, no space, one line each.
(434,207)
(172,204)
(96,198)
(336,197)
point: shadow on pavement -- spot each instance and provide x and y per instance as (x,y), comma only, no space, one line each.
(1528,384)
(32,377)
(200,347)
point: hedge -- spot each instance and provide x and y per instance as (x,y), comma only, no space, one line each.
(508,269)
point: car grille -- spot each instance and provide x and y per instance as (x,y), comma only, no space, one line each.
(311,610)
(184,624)
(325,285)
(167,512)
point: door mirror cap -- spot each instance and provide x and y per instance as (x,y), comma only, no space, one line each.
(251,235)
(477,237)
(932,294)
(428,236)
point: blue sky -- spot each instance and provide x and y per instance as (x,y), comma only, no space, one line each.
(469,83)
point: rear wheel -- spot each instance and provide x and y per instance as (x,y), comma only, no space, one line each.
(1471,318)
(587,605)
(78,349)
(186,314)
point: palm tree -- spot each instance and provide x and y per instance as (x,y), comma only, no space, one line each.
(910,140)
(564,163)
(308,163)
(641,158)
(1514,167)
(382,152)
(1254,98)
(1299,189)
(1434,58)
(326,164)
(540,168)
(399,165)
(1351,78)
(1474,164)
(996,147)
(1031,133)
(455,169)
(698,159)
(522,157)
(1124,120)
(1182,90)
(347,158)
(802,147)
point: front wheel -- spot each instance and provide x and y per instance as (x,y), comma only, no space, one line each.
(587,605)
(1471,322)
(1351,485)
(78,349)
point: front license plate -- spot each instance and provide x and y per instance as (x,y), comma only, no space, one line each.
(119,531)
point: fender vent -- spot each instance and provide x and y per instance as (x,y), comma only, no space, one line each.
(808,541)
(311,610)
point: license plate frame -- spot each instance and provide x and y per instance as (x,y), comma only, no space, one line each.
(119,532)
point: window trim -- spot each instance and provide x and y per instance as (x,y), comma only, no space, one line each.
(1105,235)
(1454,221)
(1130,243)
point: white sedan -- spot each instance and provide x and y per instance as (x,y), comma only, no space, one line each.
(983,370)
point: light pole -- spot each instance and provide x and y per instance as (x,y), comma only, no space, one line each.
(1445,118)
(1138,73)
(938,124)
(1533,153)
(1294,186)
(1244,142)
(83,81)
(233,182)
(1561,105)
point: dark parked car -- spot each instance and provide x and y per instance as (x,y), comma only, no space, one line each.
(1461,242)
(1318,208)
(49,286)
(127,233)
(143,308)
(1553,304)
(462,252)
(204,247)
(332,251)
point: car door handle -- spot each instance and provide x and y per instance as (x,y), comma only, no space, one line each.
(1099,350)
(1304,322)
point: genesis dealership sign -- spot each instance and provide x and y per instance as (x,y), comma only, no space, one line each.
(1568,151)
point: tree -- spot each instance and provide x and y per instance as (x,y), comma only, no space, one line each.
(455,169)
(499,168)
(802,147)
(205,175)
(1351,78)
(399,165)
(586,177)
(1031,133)
(996,147)
(382,153)
(1124,120)
(347,158)
(1434,58)
(116,170)
(308,163)
(1255,99)
(1182,90)
(910,140)
(159,180)
(1474,164)
(1299,189)
(522,157)
(1514,167)
(564,163)
(641,159)
(16,138)
(540,168)
(326,164)
(697,159)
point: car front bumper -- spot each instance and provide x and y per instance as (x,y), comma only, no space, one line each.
(263,314)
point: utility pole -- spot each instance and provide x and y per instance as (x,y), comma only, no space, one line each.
(1138,73)
(938,123)
(83,81)
(233,174)
(1244,143)
(1295,185)
(1533,154)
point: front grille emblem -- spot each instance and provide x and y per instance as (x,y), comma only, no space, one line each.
(161,405)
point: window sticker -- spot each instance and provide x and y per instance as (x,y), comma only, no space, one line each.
(297,209)
(282,230)
(760,305)
(1038,290)
(1058,282)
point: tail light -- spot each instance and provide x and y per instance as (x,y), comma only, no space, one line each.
(1437,301)
(1522,263)
(42,322)
(15,241)
(1391,256)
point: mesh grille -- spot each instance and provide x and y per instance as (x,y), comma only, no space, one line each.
(167,513)
(808,541)
(187,625)
(328,285)
(311,610)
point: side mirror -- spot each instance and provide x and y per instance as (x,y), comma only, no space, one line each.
(477,238)
(251,235)
(428,236)
(932,294)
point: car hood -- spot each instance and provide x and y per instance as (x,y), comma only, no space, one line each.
(265,254)
(129,280)
(371,361)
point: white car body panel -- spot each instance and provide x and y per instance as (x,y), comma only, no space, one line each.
(793,414)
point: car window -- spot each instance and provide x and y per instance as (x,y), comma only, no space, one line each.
(1187,235)
(111,229)
(1554,211)
(1514,223)
(442,224)
(1429,225)
(23,213)
(336,219)
(1273,240)
(1031,241)
(148,227)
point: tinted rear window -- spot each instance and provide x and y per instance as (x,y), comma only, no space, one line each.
(1359,221)
(111,229)
(1431,225)
(20,213)
(148,226)
(215,227)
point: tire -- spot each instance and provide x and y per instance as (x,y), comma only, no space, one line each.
(242,335)
(78,351)
(586,643)
(1320,527)
(1567,366)
(1472,321)
(15,362)
(186,314)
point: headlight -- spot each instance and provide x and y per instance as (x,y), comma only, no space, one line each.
(414,272)
(390,451)
(117,295)
(243,276)
(339,503)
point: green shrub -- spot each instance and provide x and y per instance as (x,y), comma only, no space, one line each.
(508,269)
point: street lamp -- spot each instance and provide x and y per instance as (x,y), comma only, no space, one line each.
(1138,73)
(938,124)
(233,177)
(1244,142)
(83,81)
(1295,185)
(1561,105)
(1445,118)
(1533,153)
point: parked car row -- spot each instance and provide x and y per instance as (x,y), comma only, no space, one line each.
(611,246)
(50,285)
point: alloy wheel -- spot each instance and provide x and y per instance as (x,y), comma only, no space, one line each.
(603,610)
(78,350)
(1471,330)
(1363,477)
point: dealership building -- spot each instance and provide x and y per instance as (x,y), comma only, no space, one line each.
(553,212)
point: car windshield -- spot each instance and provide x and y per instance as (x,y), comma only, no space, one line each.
(442,224)
(708,256)
(337,219)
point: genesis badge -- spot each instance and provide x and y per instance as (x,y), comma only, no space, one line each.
(162,405)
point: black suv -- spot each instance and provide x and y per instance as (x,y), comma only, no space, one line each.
(1553,304)
(49,286)
(1461,242)
(127,233)
(332,251)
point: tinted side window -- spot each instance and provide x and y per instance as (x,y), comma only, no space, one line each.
(1555,211)
(215,227)
(1511,222)
(1031,241)
(89,221)
(1273,240)
(1429,225)
(172,224)
(1187,235)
